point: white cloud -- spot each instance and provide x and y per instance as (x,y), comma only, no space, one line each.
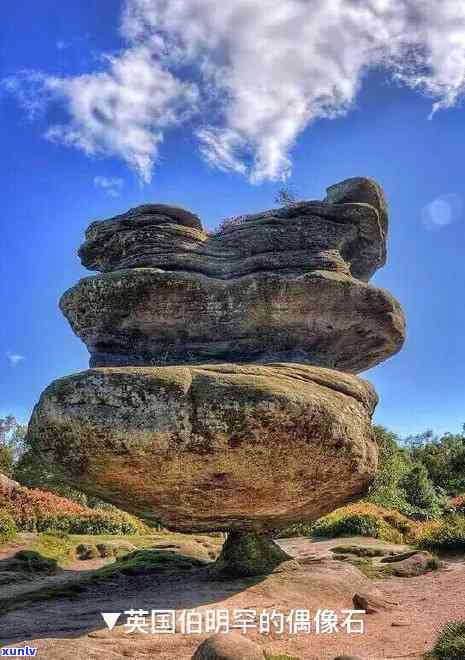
(111,185)
(442,211)
(264,71)
(14,358)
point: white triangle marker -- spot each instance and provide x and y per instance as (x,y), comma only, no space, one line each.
(110,618)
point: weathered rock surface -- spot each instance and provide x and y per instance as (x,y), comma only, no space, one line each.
(288,284)
(145,316)
(212,447)
(416,564)
(371,603)
(7,484)
(247,554)
(307,236)
(228,646)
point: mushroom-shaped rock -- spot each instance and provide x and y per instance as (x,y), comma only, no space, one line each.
(216,447)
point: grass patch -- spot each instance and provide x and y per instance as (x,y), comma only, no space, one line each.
(28,561)
(450,644)
(140,562)
(55,546)
(370,570)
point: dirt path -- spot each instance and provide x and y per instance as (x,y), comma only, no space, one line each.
(424,604)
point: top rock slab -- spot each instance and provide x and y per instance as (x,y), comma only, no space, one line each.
(345,233)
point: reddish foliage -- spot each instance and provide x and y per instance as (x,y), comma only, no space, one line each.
(38,510)
(459,503)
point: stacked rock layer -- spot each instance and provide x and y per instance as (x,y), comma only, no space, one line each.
(221,394)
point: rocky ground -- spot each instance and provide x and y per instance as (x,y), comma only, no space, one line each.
(409,611)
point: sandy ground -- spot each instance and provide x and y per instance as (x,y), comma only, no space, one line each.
(65,627)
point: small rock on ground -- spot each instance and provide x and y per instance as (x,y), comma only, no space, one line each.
(231,646)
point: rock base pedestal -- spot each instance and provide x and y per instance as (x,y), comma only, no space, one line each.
(247,554)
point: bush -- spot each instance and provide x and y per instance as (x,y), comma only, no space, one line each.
(393,464)
(87,551)
(6,460)
(421,493)
(365,519)
(36,510)
(7,527)
(450,644)
(29,561)
(297,529)
(447,535)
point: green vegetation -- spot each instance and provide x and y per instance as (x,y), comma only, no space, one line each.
(365,519)
(371,570)
(11,443)
(403,483)
(7,527)
(29,561)
(138,563)
(450,644)
(447,535)
(56,546)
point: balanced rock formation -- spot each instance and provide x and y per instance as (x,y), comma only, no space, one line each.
(218,398)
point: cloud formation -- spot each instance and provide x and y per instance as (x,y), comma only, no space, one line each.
(14,358)
(256,73)
(111,185)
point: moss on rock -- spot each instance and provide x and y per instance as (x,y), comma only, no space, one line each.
(247,554)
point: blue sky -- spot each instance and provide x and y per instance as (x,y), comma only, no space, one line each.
(223,157)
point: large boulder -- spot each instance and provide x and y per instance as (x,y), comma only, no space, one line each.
(145,316)
(212,447)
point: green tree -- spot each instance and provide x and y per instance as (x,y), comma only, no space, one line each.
(443,457)
(421,492)
(12,435)
(393,463)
